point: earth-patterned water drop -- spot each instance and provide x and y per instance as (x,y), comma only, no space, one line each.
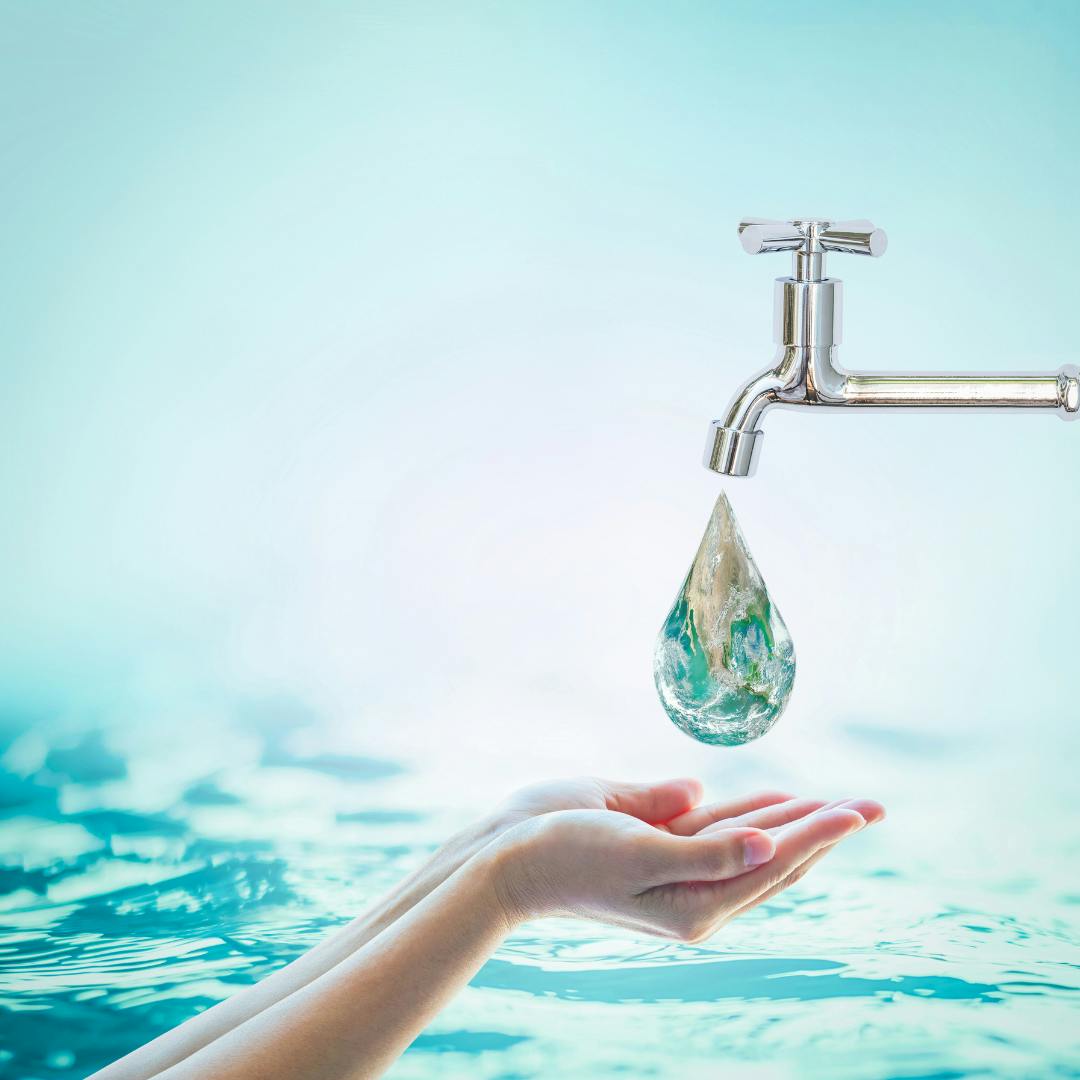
(724,662)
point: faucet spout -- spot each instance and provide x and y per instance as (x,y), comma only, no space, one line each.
(735,442)
(800,376)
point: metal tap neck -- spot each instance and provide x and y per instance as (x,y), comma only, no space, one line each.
(808,261)
(808,266)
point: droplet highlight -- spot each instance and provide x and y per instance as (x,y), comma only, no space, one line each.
(724,662)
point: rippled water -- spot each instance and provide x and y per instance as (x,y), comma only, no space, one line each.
(142,880)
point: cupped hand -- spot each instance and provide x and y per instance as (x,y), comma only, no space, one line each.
(681,877)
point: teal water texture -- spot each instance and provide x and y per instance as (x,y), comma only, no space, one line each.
(118,921)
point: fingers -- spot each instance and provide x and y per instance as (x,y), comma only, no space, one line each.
(695,910)
(776,816)
(871,812)
(795,844)
(715,857)
(770,817)
(653,803)
(796,875)
(868,809)
(693,821)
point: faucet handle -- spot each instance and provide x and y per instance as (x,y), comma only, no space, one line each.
(758,235)
(854,237)
(858,237)
(810,239)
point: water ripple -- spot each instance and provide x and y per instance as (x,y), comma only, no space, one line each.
(127,904)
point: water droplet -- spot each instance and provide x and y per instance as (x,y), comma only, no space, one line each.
(724,662)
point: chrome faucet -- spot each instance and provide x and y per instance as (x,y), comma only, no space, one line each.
(806,328)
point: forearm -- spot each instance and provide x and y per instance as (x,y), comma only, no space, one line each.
(201,1030)
(353,1021)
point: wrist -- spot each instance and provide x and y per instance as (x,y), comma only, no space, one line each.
(461,847)
(512,862)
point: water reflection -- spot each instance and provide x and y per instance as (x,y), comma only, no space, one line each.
(749,980)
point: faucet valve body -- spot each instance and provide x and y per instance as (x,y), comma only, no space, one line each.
(808,314)
(807,317)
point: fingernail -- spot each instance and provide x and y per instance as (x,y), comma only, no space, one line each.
(757,850)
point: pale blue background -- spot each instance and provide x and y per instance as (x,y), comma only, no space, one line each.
(362,355)
(348,344)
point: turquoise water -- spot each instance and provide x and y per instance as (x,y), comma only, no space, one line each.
(140,885)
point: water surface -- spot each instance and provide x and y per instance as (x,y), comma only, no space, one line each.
(138,886)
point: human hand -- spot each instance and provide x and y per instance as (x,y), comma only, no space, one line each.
(653,803)
(683,880)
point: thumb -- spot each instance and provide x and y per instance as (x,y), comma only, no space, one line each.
(653,803)
(714,856)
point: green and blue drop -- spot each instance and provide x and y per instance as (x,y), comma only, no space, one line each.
(724,662)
